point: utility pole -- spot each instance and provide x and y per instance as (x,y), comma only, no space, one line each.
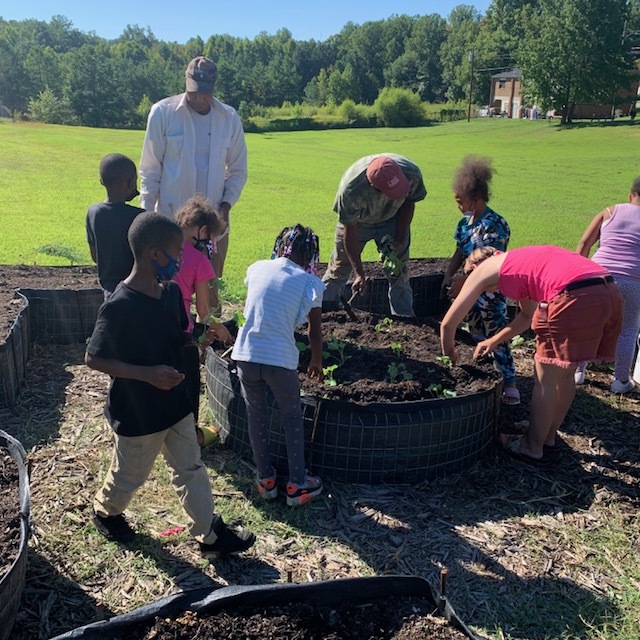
(470,86)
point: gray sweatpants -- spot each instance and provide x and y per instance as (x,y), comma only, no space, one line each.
(285,386)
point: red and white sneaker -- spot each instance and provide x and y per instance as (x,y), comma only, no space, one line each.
(300,494)
(267,487)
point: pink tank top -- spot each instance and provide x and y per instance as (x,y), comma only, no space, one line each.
(619,250)
(539,273)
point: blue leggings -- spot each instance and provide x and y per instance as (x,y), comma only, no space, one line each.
(285,386)
(487,317)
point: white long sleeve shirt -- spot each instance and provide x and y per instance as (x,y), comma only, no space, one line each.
(168,162)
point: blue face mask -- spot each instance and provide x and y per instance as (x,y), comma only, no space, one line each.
(167,272)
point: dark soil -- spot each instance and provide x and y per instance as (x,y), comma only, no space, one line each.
(417,267)
(374,345)
(34,277)
(9,512)
(398,618)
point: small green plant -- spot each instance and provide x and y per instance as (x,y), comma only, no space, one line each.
(517,341)
(397,348)
(397,372)
(301,346)
(384,326)
(446,361)
(61,251)
(438,391)
(239,318)
(336,349)
(329,380)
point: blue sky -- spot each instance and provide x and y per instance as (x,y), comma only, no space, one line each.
(178,21)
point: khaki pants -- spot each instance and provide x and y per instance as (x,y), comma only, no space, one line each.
(217,262)
(133,459)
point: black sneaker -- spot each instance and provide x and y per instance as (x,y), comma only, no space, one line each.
(228,540)
(114,528)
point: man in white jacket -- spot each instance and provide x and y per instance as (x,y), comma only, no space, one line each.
(194,144)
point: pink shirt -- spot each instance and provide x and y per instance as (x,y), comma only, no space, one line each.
(539,273)
(195,268)
(619,250)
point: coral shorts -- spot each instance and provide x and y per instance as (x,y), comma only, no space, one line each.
(579,326)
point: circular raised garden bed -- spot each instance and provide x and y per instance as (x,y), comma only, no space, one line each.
(439,421)
(14,529)
(401,607)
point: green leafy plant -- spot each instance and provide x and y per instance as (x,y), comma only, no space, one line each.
(391,264)
(239,318)
(301,346)
(397,372)
(397,348)
(446,361)
(438,391)
(336,349)
(384,326)
(328,372)
(517,341)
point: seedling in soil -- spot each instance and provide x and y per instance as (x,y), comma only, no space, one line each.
(328,375)
(238,316)
(517,341)
(398,372)
(439,392)
(337,347)
(384,326)
(397,348)
(301,346)
(446,361)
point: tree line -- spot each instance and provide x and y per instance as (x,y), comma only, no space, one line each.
(569,51)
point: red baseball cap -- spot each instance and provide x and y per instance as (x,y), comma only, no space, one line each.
(386,176)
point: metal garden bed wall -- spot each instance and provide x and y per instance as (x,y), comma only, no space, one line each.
(51,316)
(12,582)
(394,442)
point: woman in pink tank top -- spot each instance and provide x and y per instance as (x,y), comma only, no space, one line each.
(575,310)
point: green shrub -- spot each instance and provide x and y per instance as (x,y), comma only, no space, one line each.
(399,108)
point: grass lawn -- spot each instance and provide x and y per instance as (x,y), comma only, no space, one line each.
(549,183)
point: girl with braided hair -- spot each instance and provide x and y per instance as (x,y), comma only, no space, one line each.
(283,293)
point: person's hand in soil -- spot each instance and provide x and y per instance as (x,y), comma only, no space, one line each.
(451,352)
(484,348)
(359,284)
(164,377)
(314,371)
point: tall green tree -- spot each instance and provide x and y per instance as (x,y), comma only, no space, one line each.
(574,51)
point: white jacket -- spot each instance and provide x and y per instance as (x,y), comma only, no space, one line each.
(167,165)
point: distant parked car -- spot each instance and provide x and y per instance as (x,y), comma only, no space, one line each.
(484,112)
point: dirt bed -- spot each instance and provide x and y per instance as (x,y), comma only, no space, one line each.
(395,618)
(382,359)
(34,277)
(9,512)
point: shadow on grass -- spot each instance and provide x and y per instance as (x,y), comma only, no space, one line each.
(504,529)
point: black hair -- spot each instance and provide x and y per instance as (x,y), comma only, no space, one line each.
(151,231)
(473,177)
(199,211)
(116,167)
(635,187)
(300,244)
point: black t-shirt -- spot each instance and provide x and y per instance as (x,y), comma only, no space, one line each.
(138,329)
(107,227)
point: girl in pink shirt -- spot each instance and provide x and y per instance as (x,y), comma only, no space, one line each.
(200,223)
(575,310)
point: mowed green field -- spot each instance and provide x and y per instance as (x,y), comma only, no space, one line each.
(549,182)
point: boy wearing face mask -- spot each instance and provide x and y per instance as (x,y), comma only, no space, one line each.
(138,341)
(200,223)
(480,227)
(108,222)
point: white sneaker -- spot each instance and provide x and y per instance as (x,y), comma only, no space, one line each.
(579,376)
(622,387)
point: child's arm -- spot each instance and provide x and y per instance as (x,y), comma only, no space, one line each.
(454,264)
(160,376)
(314,331)
(215,330)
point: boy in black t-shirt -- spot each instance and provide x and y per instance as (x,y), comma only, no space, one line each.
(138,341)
(108,222)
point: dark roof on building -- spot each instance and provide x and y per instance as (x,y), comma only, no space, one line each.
(511,73)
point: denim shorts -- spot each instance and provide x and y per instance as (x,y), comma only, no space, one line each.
(578,326)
